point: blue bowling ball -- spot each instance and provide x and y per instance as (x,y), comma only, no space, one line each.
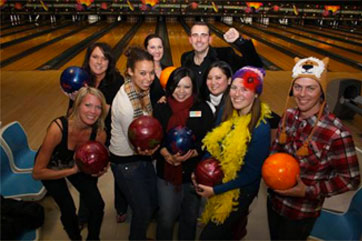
(180,140)
(73,78)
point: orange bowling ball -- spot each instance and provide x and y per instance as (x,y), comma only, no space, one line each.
(165,74)
(280,171)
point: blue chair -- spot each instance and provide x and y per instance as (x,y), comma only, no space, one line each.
(18,185)
(15,138)
(31,235)
(341,226)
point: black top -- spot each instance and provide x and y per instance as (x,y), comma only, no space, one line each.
(199,126)
(156,90)
(109,87)
(227,54)
(62,157)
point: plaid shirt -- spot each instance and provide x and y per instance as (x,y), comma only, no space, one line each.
(330,168)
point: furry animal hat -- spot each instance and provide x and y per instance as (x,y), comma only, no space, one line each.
(312,68)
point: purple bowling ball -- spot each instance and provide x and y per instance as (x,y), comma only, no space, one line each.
(73,78)
(180,140)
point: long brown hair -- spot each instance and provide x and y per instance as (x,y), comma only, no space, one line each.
(255,110)
(107,51)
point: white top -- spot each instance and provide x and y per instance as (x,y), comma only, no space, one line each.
(214,102)
(122,116)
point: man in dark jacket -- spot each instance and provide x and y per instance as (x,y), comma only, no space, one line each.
(203,54)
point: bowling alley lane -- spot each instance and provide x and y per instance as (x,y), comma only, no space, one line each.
(334,65)
(111,38)
(341,34)
(341,52)
(40,57)
(27,32)
(137,40)
(26,44)
(275,56)
(179,42)
(7,29)
(278,28)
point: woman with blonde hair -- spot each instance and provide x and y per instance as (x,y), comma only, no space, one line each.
(54,162)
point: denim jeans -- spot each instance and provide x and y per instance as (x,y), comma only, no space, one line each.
(234,227)
(120,201)
(137,181)
(283,228)
(183,203)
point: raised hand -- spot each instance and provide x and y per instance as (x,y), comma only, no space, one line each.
(231,35)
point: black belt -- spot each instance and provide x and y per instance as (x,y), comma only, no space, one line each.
(127,159)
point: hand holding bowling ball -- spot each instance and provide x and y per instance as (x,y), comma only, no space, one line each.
(72,79)
(92,157)
(145,133)
(180,140)
(280,171)
(208,172)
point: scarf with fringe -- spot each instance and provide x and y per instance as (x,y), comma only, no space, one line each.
(140,100)
(228,143)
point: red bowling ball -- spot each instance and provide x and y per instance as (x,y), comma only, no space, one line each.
(91,157)
(145,132)
(208,172)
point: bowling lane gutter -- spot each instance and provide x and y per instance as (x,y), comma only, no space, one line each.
(318,50)
(269,65)
(13,26)
(324,29)
(23,39)
(321,41)
(186,27)
(27,52)
(327,35)
(121,45)
(67,55)
(25,29)
(161,30)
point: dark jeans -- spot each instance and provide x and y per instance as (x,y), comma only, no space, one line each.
(87,187)
(234,227)
(183,203)
(137,181)
(283,228)
(120,201)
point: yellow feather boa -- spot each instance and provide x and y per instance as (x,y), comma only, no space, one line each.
(228,144)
